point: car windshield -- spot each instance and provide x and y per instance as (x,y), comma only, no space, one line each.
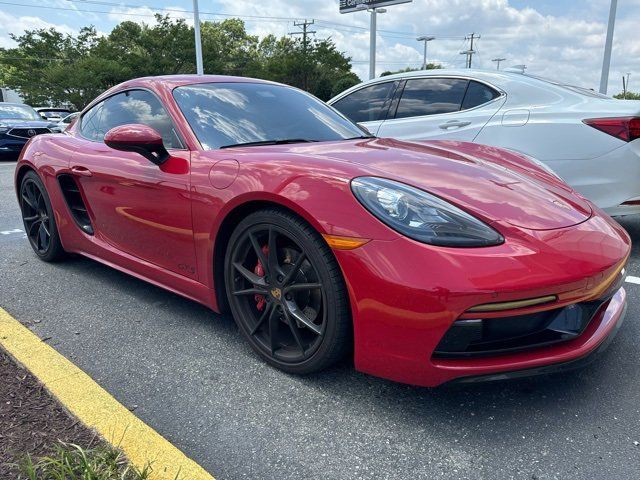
(230,114)
(18,112)
(53,113)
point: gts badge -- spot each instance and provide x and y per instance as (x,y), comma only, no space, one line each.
(183,267)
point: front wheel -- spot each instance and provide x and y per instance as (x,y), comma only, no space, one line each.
(286,292)
(39,221)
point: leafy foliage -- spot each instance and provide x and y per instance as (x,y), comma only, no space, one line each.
(49,67)
(629,96)
(71,462)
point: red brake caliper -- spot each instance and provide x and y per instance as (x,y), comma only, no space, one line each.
(259,270)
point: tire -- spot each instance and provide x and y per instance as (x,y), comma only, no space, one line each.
(294,312)
(39,220)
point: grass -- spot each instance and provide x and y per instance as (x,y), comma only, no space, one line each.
(71,462)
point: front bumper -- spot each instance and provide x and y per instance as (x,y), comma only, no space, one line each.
(12,145)
(405,296)
(557,367)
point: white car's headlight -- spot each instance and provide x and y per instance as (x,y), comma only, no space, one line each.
(422,216)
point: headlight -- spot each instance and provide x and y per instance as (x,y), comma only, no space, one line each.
(422,216)
(3,128)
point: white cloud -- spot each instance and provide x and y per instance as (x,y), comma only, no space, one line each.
(18,24)
(567,46)
(147,14)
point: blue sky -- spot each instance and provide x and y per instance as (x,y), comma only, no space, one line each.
(561,39)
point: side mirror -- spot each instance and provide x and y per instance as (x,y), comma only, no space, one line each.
(139,139)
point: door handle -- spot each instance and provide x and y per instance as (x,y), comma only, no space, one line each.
(454,124)
(81,171)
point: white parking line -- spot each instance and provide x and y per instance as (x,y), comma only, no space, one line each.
(11,232)
(635,280)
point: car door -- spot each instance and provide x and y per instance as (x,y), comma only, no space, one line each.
(441,108)
(368,106)
(136,206)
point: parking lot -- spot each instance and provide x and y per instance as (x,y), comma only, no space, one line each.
(188,373)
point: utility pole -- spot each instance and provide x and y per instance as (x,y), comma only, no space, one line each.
(627,86)
(469,53)
(426,39)
(471,50)
(196,28)
(305,32)
(498,60)
(606,61)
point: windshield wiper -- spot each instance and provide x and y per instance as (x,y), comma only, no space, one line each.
(361,137)
(269,142)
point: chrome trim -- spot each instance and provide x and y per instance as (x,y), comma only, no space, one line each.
(515,304)
(24,128)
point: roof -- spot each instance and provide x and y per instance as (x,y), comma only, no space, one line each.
(464,72)
(173,81)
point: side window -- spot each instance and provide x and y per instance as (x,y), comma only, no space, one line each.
(430,96)
(139,106)
(133,106)
(477,94)
(365,105)
(90,127)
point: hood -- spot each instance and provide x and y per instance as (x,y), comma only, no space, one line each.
(16,123)
(495,186)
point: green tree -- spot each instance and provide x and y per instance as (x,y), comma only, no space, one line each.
(629,96)
(50,67)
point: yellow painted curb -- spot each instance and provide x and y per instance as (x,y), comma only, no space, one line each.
(94,407)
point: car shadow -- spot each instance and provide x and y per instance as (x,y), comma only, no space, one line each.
(494,405)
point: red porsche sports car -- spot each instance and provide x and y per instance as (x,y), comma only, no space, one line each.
(429,261)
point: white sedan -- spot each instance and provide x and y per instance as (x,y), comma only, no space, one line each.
(592,141)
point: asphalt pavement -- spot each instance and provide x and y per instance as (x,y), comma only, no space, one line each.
(187,373)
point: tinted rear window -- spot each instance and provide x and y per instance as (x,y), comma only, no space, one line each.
(478,94)
(431,96)
(366,104)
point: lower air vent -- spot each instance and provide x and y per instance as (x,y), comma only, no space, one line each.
(76,204)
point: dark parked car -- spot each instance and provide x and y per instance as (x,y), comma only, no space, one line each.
(18,123)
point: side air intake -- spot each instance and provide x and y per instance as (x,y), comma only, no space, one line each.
(76,204)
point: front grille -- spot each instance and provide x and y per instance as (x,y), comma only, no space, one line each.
(498,336)
(468,338)
(27,132)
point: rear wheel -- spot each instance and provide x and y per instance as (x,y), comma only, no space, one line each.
(39,221)
(286,292)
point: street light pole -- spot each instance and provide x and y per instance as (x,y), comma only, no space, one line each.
(606,61)
(426,39)
(372,41)
(196,27)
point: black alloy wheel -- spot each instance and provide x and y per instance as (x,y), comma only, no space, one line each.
(286,292)
(38,219)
